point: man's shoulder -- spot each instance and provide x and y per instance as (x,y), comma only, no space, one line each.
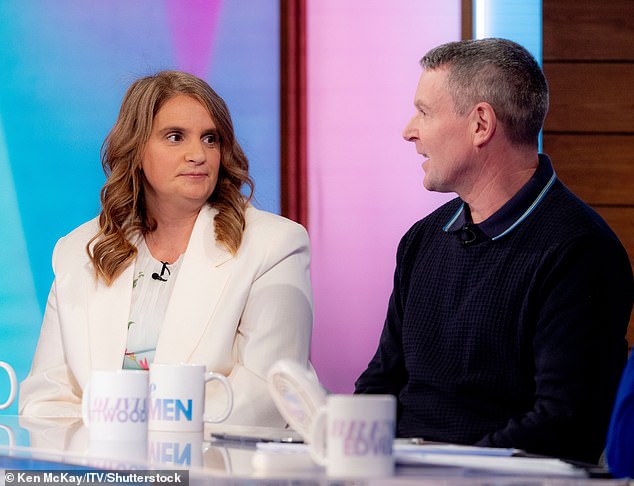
(437,219)
(425,231)
(566,216)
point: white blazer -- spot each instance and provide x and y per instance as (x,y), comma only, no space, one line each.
(235,314)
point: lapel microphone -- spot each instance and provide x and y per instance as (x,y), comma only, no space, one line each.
(164,269)
(466,234)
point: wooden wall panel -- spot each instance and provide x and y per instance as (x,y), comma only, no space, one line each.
(293,124)
(621,220)
(588,29)
(588,58)
(590,97)
(598,168)
(467,19)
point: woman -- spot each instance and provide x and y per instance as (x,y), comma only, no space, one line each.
(178,267)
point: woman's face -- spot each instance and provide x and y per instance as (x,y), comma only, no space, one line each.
(181,159)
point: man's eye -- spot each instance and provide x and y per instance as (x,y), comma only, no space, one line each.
(174,137)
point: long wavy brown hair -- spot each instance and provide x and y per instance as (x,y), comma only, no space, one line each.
(124,215)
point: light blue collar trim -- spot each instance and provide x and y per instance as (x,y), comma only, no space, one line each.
(530,209)
(453,218)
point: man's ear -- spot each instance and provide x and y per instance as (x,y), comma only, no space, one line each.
(483,123)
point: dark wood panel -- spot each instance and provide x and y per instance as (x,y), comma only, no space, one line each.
(586,29)
(590,97)
(293,160)
(621,220)
(598,168)
(467,19)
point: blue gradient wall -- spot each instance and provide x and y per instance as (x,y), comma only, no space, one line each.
(64,66)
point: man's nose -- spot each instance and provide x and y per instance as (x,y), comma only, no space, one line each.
(410,133)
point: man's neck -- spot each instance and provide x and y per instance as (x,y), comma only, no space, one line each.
(501,177)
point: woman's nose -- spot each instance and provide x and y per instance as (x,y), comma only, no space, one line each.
(195,153)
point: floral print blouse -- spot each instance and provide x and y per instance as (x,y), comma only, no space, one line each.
(151,290)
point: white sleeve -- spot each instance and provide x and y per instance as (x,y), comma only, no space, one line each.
(276,324)
(50,388)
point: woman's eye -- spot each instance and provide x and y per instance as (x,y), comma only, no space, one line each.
(174,137)
(209,139)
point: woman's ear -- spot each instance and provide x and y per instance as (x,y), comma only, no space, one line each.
(484,123)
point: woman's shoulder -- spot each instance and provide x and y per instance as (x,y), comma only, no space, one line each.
(75,242)
(272,230)
(261,221)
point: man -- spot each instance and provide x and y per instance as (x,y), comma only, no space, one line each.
(506,323)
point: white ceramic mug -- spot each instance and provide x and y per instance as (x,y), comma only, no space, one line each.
(352,435)
(177,397)
(182,449)
(13,381)
(114,405)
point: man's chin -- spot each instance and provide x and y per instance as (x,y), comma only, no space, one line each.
(434,186)
(428,183)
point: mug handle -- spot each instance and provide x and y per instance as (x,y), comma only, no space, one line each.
(318,437)
(85,404)
(209,376)
(14,384)
(10,434)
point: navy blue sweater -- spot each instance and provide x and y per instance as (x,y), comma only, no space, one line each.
(511,341)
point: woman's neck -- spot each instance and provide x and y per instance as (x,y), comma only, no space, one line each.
(170,238)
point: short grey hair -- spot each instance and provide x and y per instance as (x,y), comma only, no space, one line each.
(501,73)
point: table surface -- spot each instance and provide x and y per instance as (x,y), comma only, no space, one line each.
(63,443)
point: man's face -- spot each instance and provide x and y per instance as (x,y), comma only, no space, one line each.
(440,134)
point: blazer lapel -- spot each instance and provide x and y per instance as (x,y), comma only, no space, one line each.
(199,284)
(108,313)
